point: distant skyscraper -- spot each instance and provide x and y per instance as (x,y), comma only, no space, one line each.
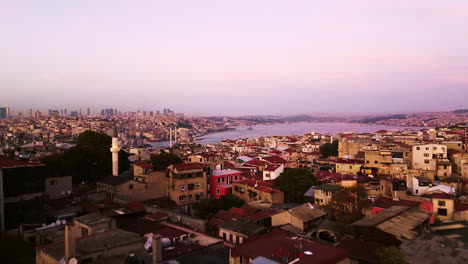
(4,112)
(30,113)
(38,114)
(65,112)
(50,112)
(88,112)
(61,112)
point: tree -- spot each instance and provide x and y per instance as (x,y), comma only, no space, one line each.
(209,207)
(89,160)
(329,149)
(391,255)
(295,182)
(164,159)
(347,204)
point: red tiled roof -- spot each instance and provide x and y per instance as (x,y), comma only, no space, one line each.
(442,196)
(261,185)
(276,245)
(460,207)
(256,162)
(157,216)
(188,166)
(275,159)
(223,214)
(11,163)
(136,207)
(272,167)
(206,155)
(215,222)
(387,202)
(145,165)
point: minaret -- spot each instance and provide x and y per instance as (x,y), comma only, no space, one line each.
(115,153)
(170,137)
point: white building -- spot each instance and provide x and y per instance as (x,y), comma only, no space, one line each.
(427,156)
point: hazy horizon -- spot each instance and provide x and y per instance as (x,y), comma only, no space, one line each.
(235,58)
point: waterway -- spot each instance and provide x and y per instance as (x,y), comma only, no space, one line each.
(286,129)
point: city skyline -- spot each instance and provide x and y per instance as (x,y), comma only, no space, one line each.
(242,58)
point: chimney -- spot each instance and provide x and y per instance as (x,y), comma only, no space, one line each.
(157,249)
(70,243)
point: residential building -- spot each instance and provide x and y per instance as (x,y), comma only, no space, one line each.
(272,171)
(236,232)
(221,182)
(301,219)
(324,193)
(279,246)
(252,190)
(187,183)
(392,226)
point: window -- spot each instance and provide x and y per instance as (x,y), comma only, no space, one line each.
(231,238)
(435,148)
(219,180)
(218,191)
(427,148)
(84,232)
(426,154)
(53,182)
(367,161)
(235,177)
(418,148)
(130,186)
(442,212)
(190,197)
(197,185)
(441,203)
(182,198)
(376,162)
(426,161)
(224,236)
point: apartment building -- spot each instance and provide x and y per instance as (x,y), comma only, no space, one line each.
(187,183)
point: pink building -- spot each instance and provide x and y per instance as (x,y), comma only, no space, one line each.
(221,182)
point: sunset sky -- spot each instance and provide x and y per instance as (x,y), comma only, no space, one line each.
(235,57)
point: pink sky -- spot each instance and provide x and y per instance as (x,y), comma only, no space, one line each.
(235,57)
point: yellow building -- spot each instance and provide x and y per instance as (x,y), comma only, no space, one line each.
(187,183)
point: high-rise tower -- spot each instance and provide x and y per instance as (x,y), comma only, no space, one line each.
(115,153)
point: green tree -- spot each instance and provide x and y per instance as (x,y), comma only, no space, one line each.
(329,149)
(295,182)
(89,160)
(209,207)
(348,203)
(391,255)
(164,159)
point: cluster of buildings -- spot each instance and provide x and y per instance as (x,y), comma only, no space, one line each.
(415,183)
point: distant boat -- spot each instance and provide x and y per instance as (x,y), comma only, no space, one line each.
(250,127)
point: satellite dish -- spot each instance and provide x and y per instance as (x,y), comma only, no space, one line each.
(69,192)
(62,261)
(73,261)
(53,224)
(64,221)
(62,193)
(58,222)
